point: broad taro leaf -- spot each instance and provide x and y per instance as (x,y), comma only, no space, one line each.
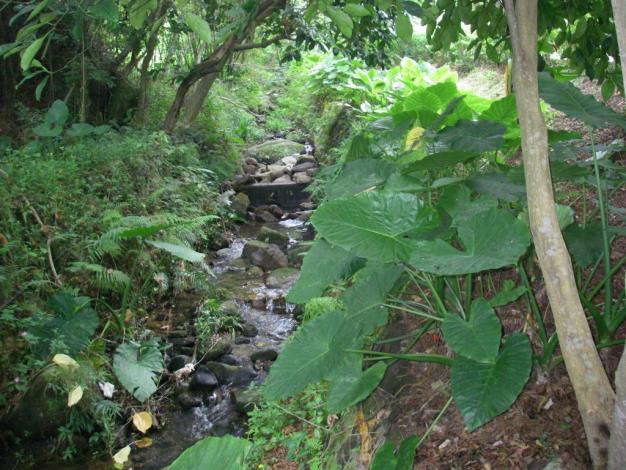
(482,391)
(421,99)
(585,244)
(473,136)
(403,460)
(357,176)
(568,99)
(73,324)
(478,338)
(374,225)
(503,110)
(440,160)
(225,453)
(138,368)
(456,201)
(492,239)
(364,299)
(348,389)
(564,214)
(498,185)
(313,353)
(322,265)
(401,183)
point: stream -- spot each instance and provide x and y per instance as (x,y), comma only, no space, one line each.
(255,291)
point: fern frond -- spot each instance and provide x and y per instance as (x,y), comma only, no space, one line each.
(103,277)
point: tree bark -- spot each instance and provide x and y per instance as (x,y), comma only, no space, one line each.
(195,100)
(593,390)
(218,58)
(617,443)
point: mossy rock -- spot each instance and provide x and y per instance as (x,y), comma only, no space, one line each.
(269,235)
(274,150)
(282,278)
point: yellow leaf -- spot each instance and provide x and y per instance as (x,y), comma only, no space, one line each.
(142,421)
(64,361)
(143,442)
(128,315)
(413,137)
(122,456)
(74,396)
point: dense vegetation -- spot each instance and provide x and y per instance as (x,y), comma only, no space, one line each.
(461,246)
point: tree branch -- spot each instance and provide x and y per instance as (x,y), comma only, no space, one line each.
(262,44)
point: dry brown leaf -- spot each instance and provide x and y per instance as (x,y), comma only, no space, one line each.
(143,442)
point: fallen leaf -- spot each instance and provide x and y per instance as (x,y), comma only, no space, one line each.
(121,457)
(65,362)
(128,315)
(143,442)
(142,421)
(74,396)
(3,239)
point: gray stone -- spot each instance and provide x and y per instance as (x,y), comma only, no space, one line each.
(188,400)
(246,400)
(203,380)
(249,330)
(285,179)
(251,161)
(266,217)
(217,350)
(269,235)
(178,362)
(302,178)
(296,253)
(227,374)
(264,355)
(305,159)
(264,255)
(304,166)
(239,204)
(242,180)
(230,307)
(230,359)
(290,160)
(242,340)
(278,173)
(282,278)
(274,150)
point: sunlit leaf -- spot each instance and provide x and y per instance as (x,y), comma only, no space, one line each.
(65,362)
(74,396)
(142,421)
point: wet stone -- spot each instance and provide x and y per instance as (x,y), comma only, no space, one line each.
(269,235)
(282,278)
(227,374)
(249,330)
(188,400)
(264,355)
(266,256)
(242,340)
(203,380)
(178,362)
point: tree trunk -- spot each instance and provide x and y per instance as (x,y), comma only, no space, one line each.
(590,382)
(617,444)
(195,100)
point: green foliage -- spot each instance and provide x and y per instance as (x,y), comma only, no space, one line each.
(349,389)
(225,452)
(384,459)
(296,426)
(318,306)
(138,367)
(483,390)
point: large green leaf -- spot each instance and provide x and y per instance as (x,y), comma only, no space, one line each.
(478,338)
(498,185)
(357,176)
(482,391)
(73,325)
(456,201)
(374,225)
(311,354)
(492,239)
(364,299)
(503,110)
(349,389)
(138,367)
(341,19)
(438,161)
(404,28)
(322,265)
(199,26)
(585,244)
(568,99)
(179,251)
(225,453)
(473,136)
(29,53)
(403,460)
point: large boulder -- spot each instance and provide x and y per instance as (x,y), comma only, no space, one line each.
(282,278)
(203,380)
(239,204)
(247,399)
(264,255)
(269,235)
(274,150)
(227,374)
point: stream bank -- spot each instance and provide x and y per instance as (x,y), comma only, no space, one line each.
(211,380)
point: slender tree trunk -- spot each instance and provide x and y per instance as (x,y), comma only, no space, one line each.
(593,390)
(195,100)
(617,444)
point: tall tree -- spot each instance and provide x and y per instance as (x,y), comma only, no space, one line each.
(593,390)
